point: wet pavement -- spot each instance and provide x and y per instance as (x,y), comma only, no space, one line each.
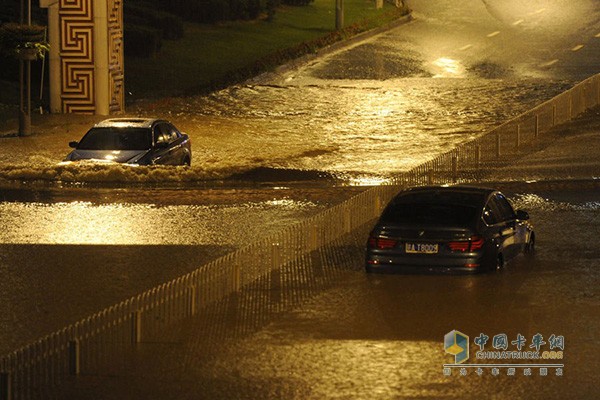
(284,147)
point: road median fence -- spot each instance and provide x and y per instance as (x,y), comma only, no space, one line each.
(91,345)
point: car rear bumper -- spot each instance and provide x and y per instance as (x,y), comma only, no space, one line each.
(425,265)
(418,270)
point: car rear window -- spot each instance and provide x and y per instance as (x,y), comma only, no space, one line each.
(430,214)
(116,139)
(452,208)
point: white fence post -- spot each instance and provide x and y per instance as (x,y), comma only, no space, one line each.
(275,255)
(377,208)
(192,300)
(497,145)
(570,104)
(136,327)
(237,277)
(347,220)
(5,386)
(313,240)
(454,168)
(430,177)
(598,89)
(74,357)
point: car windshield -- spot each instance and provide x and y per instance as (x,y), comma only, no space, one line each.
(116,139)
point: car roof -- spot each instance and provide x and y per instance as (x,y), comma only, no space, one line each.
(479,193)
(127,122)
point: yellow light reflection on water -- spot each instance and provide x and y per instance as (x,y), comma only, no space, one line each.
(448,68)
(358,369)
(85,223)
(368,181)
(88,223)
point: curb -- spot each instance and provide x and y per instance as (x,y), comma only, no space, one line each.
(332,48)
(549,185)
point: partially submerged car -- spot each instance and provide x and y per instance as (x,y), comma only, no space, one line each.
(137,141)
(448,229)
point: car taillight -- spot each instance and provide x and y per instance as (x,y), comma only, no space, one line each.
(381,243)
(459,246)
(475,243)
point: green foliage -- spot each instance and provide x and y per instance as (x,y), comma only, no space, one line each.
(170,26)
(141,41)
(212,56)
(298,2)
(211,11)
(17,38)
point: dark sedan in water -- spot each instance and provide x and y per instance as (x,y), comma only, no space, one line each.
(448,229)
(135,141)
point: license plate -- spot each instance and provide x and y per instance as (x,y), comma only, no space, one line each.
(422,248)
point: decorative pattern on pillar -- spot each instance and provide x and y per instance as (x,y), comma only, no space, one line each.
(77,56)
(115,63)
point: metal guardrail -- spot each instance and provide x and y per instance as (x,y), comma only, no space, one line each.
(98,343)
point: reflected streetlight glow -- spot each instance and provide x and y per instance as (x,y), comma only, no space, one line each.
(448,68)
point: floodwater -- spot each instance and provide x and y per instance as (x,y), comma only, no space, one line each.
(335,333)
(68,253)
(353,117)
(364,113)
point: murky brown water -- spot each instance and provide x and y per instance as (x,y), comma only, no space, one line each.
(333,332)
(363,114)
(359,116)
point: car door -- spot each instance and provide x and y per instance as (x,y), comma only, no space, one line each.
(177,152)
(508,228)
(496,228)
(162,149)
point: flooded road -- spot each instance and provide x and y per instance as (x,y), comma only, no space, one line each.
(68,253)
(362,113)
(334,332)
(78,238)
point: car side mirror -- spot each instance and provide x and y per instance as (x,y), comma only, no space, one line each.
(522,215)
(161,145)
(73,144)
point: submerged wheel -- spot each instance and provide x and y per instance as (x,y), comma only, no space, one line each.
(187,162)
(530,246)
(499,262)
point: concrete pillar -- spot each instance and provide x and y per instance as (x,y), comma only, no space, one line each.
(102,95)
(86,56)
